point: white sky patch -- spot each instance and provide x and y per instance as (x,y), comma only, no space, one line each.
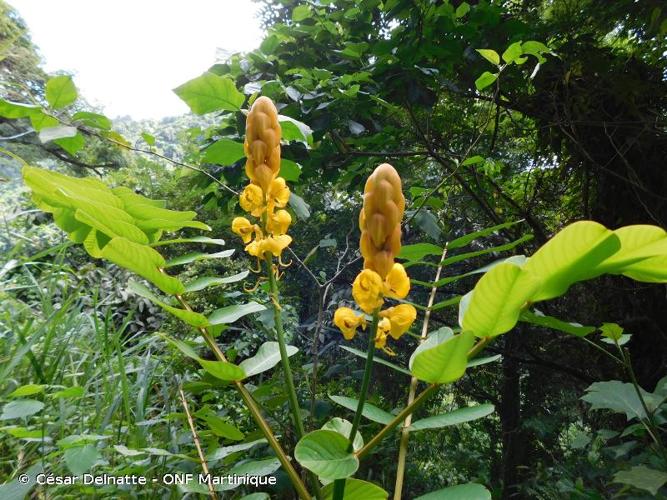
(127,56)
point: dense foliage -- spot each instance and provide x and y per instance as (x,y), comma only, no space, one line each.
(506,120)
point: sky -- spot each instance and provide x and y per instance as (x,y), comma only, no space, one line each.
(127,55)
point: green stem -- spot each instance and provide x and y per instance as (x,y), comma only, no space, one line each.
(419,400)
(339,484)
(284,358)
(256,413)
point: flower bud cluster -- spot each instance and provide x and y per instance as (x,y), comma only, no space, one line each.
(267,194)
(380,224)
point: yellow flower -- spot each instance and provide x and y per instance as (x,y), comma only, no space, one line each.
(348,322)
(252,200)
(273,244)
(397,283)
(278,195)
(262,143)
(381,335)
(400,318)
(367,290)
(279,222)
(243,227)
(276,244)
(380,219)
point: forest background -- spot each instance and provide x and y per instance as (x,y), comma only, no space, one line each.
(518,115)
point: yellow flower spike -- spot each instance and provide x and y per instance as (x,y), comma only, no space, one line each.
(400,319)
(380,219)
(262,143)
(397,283)
(279,222)
(348,322)
(252,200)
(367,290)
(243,227)
(384,326)
(278,194)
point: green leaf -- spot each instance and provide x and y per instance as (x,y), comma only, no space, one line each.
(224,152)
(538,318)
(209,281)
(300,13)
(474,160)
(195,239)
(444,363)
(17,490)
(570,256)
(638,243)
(222,428)
(26,390)
(455,417)
(356,489)
(497,300)
(181,346)
(535,49)
(94,120)
(143,261)
(469,238)
(49,134)
(257,468)
(71,392)
(21,408)
(612,331)
(513,52)
(418,251)
(483,361)
(190,317)
(377,360)
(294,130)
(15,110)
(469,491)
(428,223)
(643,478)
(300,207)
(618,397)
(210,92)
(223,370)
(490,55)
(653,270)
(148,138)
(344,427)
(325,453)
(71,144)
(268,356)
(289,170)
(485,80)
(230,314)
(225,451)
(80,459)
(60,91)
(196,256)
(371,412)
(462,10)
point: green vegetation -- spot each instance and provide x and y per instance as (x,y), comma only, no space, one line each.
(141,337)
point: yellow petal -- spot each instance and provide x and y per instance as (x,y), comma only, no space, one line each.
(276,244)
(252,200)
(348,322)
(381,335)
(400,318)
(367,290)
(397,283)
(278,193)
(243,227)
(279,222)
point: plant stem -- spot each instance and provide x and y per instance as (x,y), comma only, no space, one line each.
(405,433)
(419,400)
(263,425)
(284,359)
(339,484)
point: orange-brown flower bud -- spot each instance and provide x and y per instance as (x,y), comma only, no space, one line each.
(380,219)
(262,143)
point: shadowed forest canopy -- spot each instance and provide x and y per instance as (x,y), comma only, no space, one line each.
(506,120)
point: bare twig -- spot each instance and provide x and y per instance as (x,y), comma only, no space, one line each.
(195,437)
